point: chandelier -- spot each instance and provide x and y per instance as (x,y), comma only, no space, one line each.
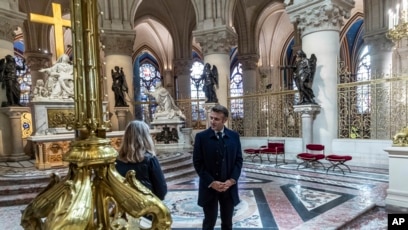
(398,22)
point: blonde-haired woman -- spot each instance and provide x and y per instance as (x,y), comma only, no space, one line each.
(137,153)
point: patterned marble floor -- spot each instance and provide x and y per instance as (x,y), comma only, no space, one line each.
(280,198)
(286,198)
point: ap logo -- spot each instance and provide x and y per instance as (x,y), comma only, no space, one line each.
(397,221)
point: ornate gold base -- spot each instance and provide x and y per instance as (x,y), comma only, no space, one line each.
(93,195)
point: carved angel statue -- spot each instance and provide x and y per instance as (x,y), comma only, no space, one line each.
(304,73)
(210,78)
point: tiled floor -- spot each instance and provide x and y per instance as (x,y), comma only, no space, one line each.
(278,198)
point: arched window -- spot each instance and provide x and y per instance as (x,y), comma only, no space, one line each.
(149,75)
(364,74)
(237,90)
(24,78)
(196,92)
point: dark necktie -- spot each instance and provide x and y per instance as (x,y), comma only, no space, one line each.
(219,134)
(222,152)
(221,142)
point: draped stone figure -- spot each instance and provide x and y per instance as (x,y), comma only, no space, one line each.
(60,82)
(166,106)
(304,73)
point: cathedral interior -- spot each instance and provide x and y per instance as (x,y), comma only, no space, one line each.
(85,68)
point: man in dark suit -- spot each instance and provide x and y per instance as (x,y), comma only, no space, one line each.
(217,159)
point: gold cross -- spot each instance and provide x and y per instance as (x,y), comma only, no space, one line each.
(58,22)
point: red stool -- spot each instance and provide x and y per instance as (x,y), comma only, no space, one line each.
(252,153)
(314,153)
(337,161)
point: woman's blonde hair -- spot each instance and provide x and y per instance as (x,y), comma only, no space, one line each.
(135,142)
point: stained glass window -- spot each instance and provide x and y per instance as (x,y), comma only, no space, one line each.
(237,90)
(149,75)
(197,94)
(364,74)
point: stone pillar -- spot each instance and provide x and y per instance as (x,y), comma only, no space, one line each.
(249,81)
(168,82)
(380,49)
(16,136)
(121,114)
(10,19)
(319,23)
(118,52)
(216,44)
(249,68)
(182,71)
(187,137)
(397,192)
(308,113)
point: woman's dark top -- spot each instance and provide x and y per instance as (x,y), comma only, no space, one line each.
(148,172)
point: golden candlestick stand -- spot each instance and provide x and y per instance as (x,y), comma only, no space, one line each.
(93,195)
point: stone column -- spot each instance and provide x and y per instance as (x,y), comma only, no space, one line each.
(249,81)
(216,44)
(118,48)
(319,23)
(121,114)
(187,137)
(182,71)
(308,113)
(15,137)
(10,19)
(168,82)
(380,49)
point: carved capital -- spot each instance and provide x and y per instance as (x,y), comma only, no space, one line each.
(9,21)
(119,42)
(319,15)
(249,61)
(182,67)
(217,40)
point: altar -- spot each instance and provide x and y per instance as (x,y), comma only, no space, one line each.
(49,149)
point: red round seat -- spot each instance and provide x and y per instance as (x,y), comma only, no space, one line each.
(343,158)
(337,160)
(252,152)
(310,156)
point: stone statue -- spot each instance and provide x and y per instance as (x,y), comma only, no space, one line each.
(166,106)
(119,87)
(40,91)
(210,78)
(304,73)
(60,82)
(8,79)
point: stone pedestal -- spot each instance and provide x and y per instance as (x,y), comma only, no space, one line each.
(50,116)
(208,107)
(308,114)
(167,133)
(121,113)
(397,192)
(187,137)
(16,138)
